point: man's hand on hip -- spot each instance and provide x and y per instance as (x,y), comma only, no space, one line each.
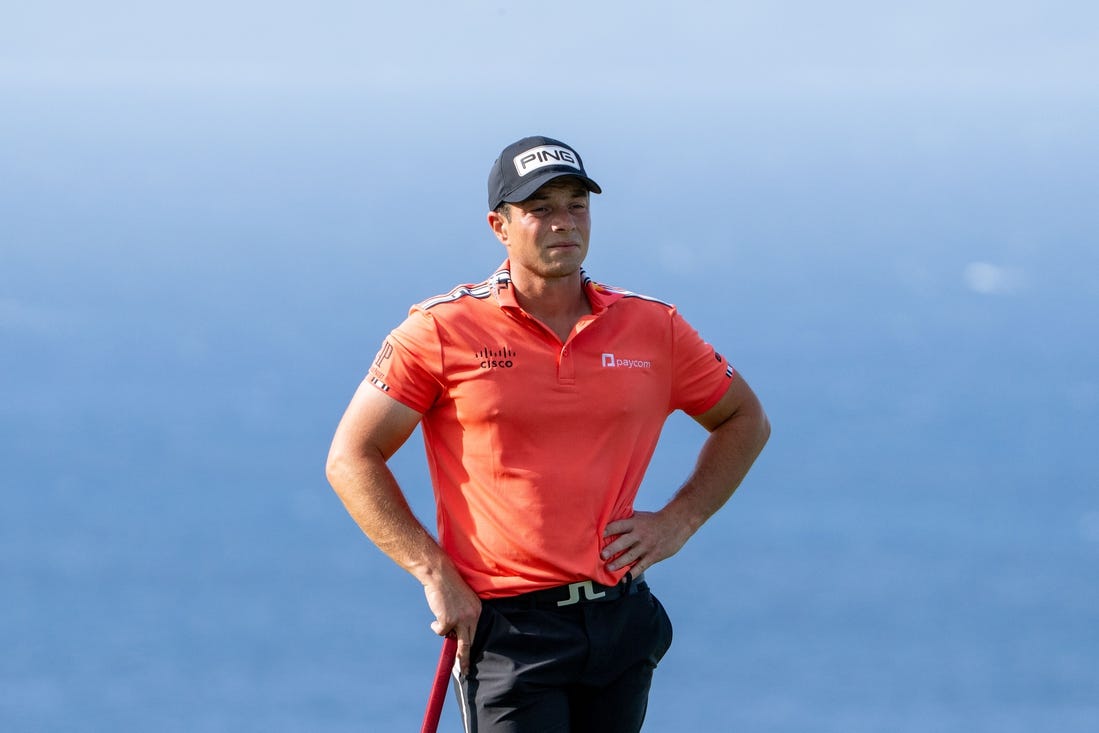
(643,540)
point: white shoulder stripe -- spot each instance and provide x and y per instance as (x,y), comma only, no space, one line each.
(651,299)
(479,291)
(626,293)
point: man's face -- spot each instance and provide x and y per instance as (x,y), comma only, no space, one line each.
(548,233)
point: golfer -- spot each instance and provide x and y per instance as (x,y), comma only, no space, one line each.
(541,394)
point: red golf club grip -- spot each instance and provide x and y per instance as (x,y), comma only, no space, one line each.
(438,687)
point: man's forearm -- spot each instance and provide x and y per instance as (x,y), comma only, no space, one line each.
(723,462)
(373,498)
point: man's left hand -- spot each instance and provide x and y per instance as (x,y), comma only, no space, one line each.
(643,540)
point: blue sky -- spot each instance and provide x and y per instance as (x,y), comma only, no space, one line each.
(938,145)
(797,101)
(1013,47)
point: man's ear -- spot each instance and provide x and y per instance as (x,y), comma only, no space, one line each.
(499,225)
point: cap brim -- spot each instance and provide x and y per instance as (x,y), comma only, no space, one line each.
(528,187)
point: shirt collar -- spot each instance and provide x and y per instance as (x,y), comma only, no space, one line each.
(600,296)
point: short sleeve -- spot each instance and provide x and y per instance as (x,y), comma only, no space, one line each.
(408,366)
(702,375)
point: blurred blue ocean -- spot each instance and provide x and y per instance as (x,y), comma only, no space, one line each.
(191,287)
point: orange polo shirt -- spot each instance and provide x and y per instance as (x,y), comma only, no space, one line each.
(534,445)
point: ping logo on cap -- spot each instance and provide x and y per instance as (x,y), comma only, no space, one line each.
(543,155)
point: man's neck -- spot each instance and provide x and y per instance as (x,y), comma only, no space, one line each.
(558,302)
(548,294)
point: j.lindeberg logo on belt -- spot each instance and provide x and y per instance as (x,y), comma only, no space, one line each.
(574,593)
(501,358)
(610,360)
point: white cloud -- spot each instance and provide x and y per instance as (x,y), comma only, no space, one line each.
(988,279)
(678,259)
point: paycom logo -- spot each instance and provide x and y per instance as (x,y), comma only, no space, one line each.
(609,360)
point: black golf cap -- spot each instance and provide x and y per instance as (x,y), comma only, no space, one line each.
(526,165)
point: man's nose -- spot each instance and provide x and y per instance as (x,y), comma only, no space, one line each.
(563,221)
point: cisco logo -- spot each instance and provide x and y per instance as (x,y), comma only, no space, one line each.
(502,358)
(609,360)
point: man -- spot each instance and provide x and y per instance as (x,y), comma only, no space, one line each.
(541,395)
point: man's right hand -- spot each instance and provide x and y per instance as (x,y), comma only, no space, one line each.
(457,609)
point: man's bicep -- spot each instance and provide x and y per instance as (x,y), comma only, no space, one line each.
(374,421)
(738,399)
